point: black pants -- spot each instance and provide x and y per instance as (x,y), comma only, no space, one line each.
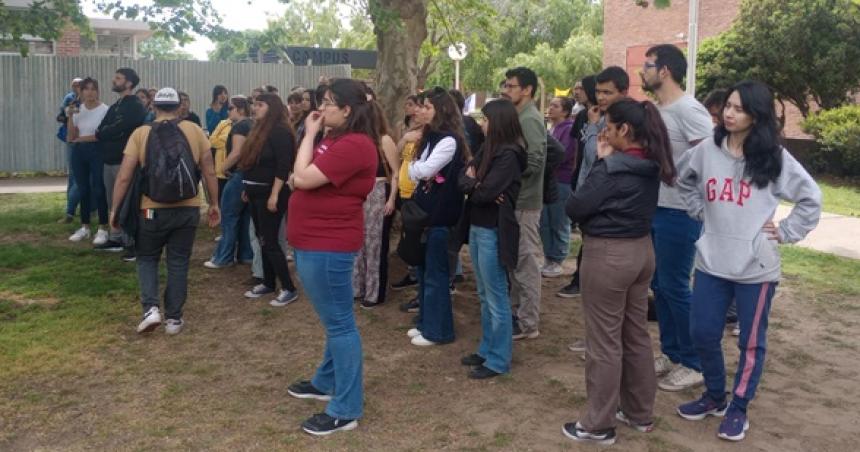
(267,225)
(383,250)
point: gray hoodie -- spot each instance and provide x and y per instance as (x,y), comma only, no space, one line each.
(589,155)
(733,245)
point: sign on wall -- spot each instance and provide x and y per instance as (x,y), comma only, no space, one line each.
(358,59)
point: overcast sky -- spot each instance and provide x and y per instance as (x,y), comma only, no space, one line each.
(237,15)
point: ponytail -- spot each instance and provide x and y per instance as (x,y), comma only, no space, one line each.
(649,130)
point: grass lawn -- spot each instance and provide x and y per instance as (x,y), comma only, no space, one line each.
(67,347)
(840,196)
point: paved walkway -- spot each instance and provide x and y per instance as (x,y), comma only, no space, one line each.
(836,234)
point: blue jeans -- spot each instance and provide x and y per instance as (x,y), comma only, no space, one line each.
(73,197)
(496,335)
(435,316)
(235,221)
(555,226)
(87,167)
(327,280)
(675,234)
(711,299)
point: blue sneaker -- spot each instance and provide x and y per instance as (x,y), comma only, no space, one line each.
(734,426)
(702,408)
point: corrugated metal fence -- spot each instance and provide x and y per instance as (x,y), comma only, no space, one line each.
(31,90)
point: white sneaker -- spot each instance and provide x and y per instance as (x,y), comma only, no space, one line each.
(151,320)
(681,378)
(577,347)
(80,234)
(663,365)
(173,326)
(413,333)
(213,265)
(101,237)
(552,270)
(421,342)
(736,331)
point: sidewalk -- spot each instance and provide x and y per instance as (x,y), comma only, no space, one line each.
(33,185)
(835,234)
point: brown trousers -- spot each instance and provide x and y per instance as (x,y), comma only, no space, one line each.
(619,362)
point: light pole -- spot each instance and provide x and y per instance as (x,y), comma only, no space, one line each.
(692,47)
(457,52)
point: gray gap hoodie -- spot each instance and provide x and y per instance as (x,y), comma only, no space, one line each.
(732,245)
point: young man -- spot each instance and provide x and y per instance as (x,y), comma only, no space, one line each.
(72,196)
(165,225)
(673,231)
(125,115)
(520,86)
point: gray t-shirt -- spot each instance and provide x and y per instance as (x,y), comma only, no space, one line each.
(687,120)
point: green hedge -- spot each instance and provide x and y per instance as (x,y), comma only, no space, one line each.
(838,132)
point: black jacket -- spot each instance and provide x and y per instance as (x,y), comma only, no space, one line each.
(554,156)
(618,199)
(116,127)
(503,178)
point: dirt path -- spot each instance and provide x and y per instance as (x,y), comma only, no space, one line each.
(221,384)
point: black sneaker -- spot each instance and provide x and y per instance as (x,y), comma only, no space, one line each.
(518,333)
(472,360)
(305,390)
(410,306)
(130,255)
(405,283)
(322,424)
(574,431)
(482,373)
(111,245)
(370,305)
(452,289)
(569,291)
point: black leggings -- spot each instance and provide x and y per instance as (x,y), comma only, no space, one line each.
(267,225)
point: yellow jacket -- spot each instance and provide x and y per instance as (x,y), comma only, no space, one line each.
(218,140)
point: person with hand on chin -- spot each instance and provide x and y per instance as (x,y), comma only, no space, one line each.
(332,181)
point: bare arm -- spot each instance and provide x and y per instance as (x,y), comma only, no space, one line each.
(392,156)
(306,175)
(207,168)
(236,153)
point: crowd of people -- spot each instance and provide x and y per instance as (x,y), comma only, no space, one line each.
(671,197)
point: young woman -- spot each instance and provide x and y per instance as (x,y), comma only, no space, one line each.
(235,214)
(734,184)
(371,265)
(554,223)
(443,153)
(308,105)
(217,110)
(494,174)
(411,106)
(185,112)
(266,161)
(614,207)
(332,181)
(87,161)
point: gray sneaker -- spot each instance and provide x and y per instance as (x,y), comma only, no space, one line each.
(284,298)
(258,291)
(173,326)
(663,365)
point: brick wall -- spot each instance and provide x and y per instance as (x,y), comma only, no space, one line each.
(628,31)
(69,43)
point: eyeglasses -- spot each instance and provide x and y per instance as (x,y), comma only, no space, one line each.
(510,85)
(649,65)
(327,102)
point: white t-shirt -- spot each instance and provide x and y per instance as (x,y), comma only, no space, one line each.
(87,121)
(687,120)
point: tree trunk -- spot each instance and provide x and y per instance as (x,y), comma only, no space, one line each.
(400,27)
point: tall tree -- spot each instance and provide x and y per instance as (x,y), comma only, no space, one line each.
(808,51)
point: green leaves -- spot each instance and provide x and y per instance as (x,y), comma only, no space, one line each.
(807,50)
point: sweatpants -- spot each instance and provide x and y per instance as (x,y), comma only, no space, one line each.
(619,361)
(711,299)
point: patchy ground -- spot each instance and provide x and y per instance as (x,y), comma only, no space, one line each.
(221,384)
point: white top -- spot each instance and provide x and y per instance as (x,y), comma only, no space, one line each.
(87,121)
(428,166)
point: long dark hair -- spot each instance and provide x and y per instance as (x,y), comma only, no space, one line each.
(277,116)
(762,147)
(216,91)
(649,130)
(447,119)
(503,128)
(348,92)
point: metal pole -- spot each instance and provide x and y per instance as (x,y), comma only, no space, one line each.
(692,47)
(457,74)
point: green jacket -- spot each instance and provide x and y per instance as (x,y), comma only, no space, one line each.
(531,192)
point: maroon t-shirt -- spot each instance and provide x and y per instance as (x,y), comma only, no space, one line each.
(331,217)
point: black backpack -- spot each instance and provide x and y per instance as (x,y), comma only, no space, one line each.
(169,174)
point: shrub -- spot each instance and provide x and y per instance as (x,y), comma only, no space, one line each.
(838,132)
